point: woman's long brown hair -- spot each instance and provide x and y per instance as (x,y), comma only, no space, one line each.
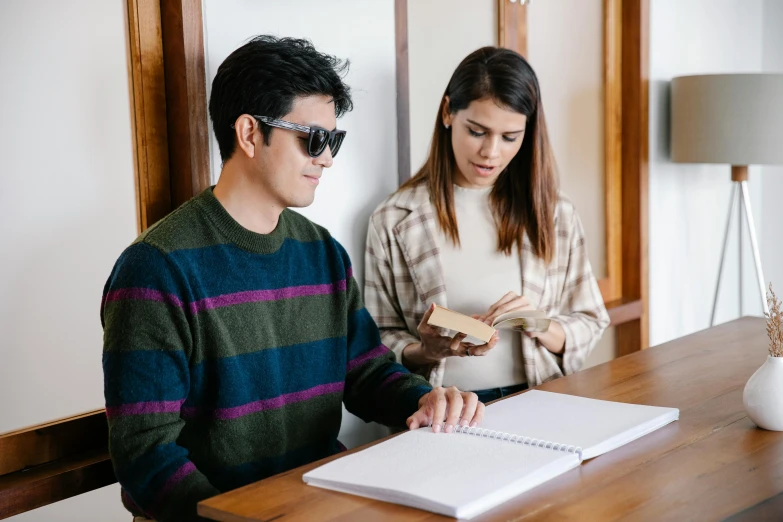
(525,194)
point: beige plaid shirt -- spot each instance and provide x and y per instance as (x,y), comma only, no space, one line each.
(403,276)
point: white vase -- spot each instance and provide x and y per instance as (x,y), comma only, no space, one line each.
(763,395)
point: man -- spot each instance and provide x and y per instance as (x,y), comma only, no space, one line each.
(234,329)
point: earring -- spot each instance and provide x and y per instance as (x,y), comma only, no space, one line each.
(446,125)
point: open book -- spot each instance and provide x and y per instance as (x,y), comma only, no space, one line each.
(529,320)
(523,442)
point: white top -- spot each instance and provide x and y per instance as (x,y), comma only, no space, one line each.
(476,276)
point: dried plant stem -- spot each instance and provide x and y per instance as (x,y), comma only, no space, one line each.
(774,324)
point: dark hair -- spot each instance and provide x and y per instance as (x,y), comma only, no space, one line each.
(525,194)
(265,76)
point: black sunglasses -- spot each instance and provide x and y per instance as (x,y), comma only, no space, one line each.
(318,139)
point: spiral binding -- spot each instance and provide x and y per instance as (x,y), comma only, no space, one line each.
(517,439)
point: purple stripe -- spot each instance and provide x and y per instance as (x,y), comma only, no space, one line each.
(254,296)
(130,504)
(349,272)
(269,404)
(142,294)
(178,476)
(144,408)
(390,379)
(366,356)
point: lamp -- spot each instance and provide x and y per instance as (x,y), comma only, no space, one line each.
(735,119)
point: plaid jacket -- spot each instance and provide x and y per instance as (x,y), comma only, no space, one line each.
(403,276)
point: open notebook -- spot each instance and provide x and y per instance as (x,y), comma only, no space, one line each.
(522,442)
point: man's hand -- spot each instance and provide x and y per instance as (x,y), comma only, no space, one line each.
(447,405)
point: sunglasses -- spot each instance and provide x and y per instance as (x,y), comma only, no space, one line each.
(318,137)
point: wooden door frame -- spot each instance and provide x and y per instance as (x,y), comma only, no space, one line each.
(170,104)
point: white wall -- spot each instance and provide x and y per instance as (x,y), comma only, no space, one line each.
(565,48)
(689,203)
(68,201)
(441,33)
(68,208)
(772,176)
(365,172)
(101,505)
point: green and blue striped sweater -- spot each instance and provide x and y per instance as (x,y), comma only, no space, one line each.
(227,355)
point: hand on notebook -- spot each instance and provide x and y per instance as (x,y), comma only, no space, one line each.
(508,303)
(447,405)
(435,347)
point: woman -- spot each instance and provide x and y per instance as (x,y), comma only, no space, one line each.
(482,229)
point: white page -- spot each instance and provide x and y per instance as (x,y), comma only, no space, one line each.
(595,426)
(455,474)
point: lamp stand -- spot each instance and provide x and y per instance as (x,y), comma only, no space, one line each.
(739,192)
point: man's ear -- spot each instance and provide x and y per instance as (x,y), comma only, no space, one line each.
(246,135)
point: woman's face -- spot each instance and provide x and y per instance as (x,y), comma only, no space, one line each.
(485,138)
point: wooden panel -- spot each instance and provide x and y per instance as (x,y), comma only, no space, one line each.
(54,461)
(186,96)
(611,287)
(27,490)
(635,40)
(710,464)
(403,91)
(149,111)
(512,26)
(622,311)
(37,445)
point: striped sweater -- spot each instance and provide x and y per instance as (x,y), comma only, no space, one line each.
(227,355)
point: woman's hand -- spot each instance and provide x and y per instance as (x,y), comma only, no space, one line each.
(508,303)
(553,339)
(434,347)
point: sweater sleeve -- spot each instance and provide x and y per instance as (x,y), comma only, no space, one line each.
(146,349)
(377,388)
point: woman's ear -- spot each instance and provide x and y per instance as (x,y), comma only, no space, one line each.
(245,131)
(446,116)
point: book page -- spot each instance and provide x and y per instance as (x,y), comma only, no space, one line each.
(528,320)
(455,474)
(595,426)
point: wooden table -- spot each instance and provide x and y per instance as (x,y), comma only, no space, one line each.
(712,464)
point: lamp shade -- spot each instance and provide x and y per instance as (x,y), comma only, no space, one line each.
(734,119)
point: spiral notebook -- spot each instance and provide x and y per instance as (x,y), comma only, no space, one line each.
(523,441)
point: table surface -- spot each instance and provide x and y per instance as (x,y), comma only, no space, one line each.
(712,464)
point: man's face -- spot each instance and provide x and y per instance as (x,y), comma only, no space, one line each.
(287,172)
